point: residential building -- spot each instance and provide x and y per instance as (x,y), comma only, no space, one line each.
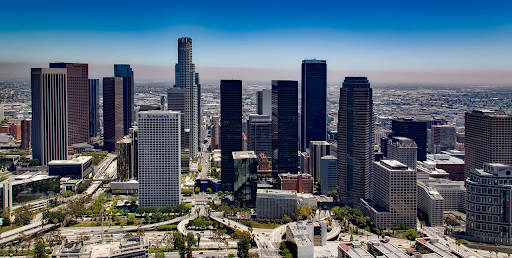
(176,102)
(94,107)
(394,197)
(259,134)
(285,126)
(488,139)
(246,178)
(329,174)
(231,124)
(77,168)
(112,112)
(355,143)
(301,183)
(264,102)
(185,77)
(314,102)
(415,130)
(159,158)
(402,149)
(49,114)
(77,100)
(317,149)
(126,72)
(489,204)
(442,138)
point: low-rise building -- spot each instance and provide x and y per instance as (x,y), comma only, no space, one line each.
(302,183)
(77,168)
(436,196)
(452,165)
(128,247)
(274,204)
(382,248)
(428,245)
(352,250)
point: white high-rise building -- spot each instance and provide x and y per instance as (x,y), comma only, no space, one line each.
(404,150)
(49,114)
(159,158)
(185,78)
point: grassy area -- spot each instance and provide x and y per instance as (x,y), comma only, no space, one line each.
(5,229)
(264,225)
(97,157)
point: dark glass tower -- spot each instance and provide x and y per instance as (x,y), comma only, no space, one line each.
(112,112)
(124,70)
(355,134)
(285,136)
(415,130)
(94,105)
(314,101)
(231,124)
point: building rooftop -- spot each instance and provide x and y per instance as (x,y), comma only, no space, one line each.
(354,250)
(487,112)
(75,161)
(444,159)
(243,155)
(387,249)
(394,164)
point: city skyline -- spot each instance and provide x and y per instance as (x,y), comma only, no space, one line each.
(402,42)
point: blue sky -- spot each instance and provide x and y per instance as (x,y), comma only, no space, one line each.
(355,37)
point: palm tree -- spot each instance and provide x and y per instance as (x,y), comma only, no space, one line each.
(458,242)
(490,252)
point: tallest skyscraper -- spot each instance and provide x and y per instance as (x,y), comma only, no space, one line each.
(185,78)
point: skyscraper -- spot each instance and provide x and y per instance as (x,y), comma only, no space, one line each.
(112,112)
(264,102)
(124,70)
(403,150)
(77,100)
(442,138)
(314,102)
(26,134)
(215,132)
(285,136)
(259,134)
(317,149)
(185,78)
(245,184)
(176,102)
(200,134)
(94,105)
(355,132)
(231,124)
(159,158)
(488,139)
(415,130)
(49,114)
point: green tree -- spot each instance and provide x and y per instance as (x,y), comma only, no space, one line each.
(231,256)
(160,254)
(140,232)
(23,215)
(458,242)
(209,190)
(197,189)
(243,244)
(40,250)
(411,234)
(187,192)
(179,243)
(118,191)
(198,239)
(131,219)
(6,219)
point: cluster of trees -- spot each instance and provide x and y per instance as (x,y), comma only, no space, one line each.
(304,212)
(349,215)
(288,249)
(23,215)
(202,223)
(244,242)
(214,173)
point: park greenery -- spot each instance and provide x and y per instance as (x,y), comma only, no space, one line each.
(97,157)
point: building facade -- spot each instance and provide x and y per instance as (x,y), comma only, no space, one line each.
(26,134)
(94,105)
(317,149)
(246,178)
(415,130)
(159,158)
(231,124)
(355,132)
(259,134)
(489,204)
(314,102)
(301,183)
(77,100)
(126,72)
(264,102)
(49,114)
(215,132)
(402,149)
(328,174)
(488,139)
(77,168)
(442,138)
(285,145)
(185,78)
(176,102)
(112,112)
(125,152)
(394,197)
